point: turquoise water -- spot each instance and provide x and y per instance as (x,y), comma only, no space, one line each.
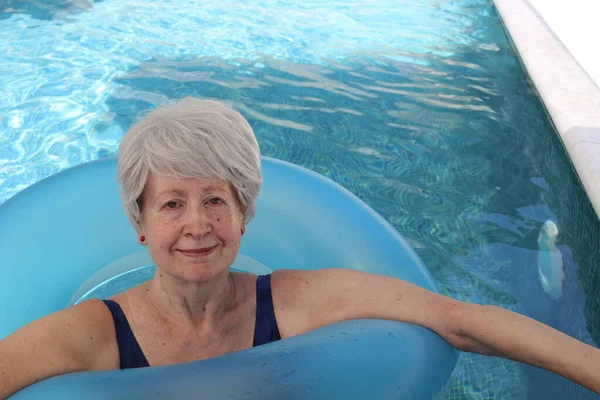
(421,109)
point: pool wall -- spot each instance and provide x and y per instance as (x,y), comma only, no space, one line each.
(569,94)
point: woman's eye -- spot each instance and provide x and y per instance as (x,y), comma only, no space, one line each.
(171,204)
(215,201)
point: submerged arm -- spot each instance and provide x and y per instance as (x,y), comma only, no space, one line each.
(520,338)
(318,298)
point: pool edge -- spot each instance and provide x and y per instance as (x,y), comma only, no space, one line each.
(569,94)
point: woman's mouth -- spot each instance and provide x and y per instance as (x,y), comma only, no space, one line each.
(202,252)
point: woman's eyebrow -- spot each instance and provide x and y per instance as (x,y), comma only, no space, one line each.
(214,188)
(183,193)
(177,192)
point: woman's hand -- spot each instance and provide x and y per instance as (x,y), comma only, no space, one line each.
(306,300)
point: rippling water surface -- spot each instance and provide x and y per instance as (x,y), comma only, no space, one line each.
(420,108)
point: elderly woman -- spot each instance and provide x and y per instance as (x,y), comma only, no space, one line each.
(190,174)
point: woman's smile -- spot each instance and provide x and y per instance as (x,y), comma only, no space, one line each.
(199,252)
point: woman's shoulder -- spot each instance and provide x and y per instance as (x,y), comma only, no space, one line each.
(298,296)
(94,332)
(90,311)
(89,315)
(92,323)
(79,337)
(292,283)
(69,340)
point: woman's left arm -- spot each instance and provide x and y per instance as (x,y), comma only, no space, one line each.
(306,300)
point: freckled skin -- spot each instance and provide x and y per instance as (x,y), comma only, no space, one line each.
(191,214)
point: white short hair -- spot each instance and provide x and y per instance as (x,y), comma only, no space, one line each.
(190,138)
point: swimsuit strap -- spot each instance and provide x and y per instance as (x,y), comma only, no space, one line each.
(130,352)
(265,330)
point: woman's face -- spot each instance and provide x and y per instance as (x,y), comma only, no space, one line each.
(192,227)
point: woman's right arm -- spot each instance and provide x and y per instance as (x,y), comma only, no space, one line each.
(80,338)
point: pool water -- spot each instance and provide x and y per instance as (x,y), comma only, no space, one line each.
(422,109)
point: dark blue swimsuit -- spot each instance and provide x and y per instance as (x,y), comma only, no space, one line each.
(265,330)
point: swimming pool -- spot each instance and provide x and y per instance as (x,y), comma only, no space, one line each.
(422,110)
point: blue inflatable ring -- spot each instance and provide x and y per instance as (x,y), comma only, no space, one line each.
(58,233)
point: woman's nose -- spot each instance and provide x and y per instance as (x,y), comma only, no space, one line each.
(197,222)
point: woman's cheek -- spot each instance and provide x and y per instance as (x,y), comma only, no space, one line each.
(163,230)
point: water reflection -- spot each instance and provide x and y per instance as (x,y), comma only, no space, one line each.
(45,9)
(431,121)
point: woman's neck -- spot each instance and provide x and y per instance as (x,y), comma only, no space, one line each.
(191,303)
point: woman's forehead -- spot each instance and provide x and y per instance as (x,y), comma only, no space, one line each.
(159,184)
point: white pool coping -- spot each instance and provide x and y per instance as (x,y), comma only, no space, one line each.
(575,22)
(570,95)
